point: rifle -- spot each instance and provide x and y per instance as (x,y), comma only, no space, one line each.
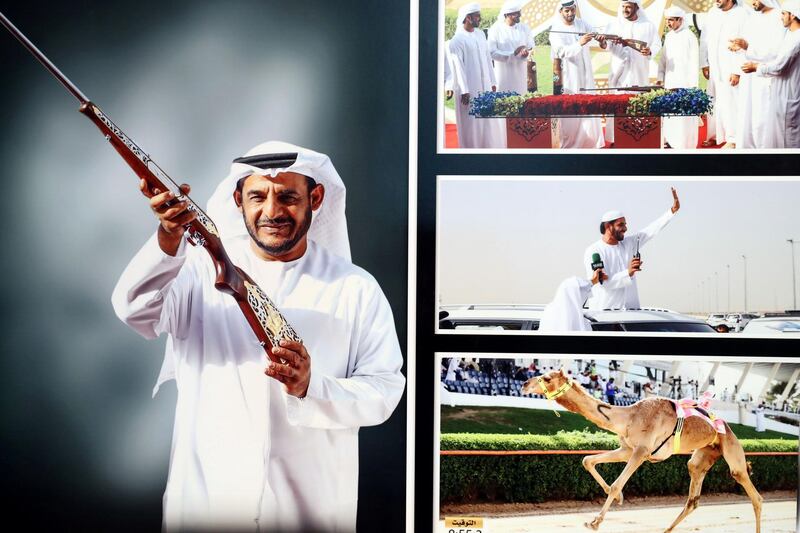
(632,88)
(266,321)
(633,43)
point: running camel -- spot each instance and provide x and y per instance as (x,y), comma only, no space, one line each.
(651,430)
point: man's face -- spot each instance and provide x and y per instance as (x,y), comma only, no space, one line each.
(757,6)
(786,18)
(277,212)
(514,17)
(568,14)
(629,10)
(618,228)
(724,4)
(474,19)
(674,23)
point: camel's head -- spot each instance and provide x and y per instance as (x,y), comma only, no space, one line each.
(552,381)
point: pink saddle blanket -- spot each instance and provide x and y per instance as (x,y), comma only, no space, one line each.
(687,407)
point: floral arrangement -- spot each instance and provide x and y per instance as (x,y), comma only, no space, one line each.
(499,103)
(577,104)
(652,103)
(640,105)
(682,102)
(511,106)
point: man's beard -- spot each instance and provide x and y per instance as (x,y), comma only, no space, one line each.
(289,243)
(619,235)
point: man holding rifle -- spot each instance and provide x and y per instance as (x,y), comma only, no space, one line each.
(571,50)
(275,452)
(630,65)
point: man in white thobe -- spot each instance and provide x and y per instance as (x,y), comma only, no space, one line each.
(725,22)
(678,67)
(473,74)
(630,65)
(576,74)
(617,253)
(760,42)
(278,451)
(784,109)
(510,43)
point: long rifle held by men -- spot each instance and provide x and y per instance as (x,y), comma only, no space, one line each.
(632,88)
(633,43)
(264,318)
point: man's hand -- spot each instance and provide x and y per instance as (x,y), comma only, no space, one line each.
(676,204)
(737,44)
(734,80)
(749,67)
(521,51)
(706,72)
(585,38)
(646,51)
(601,40)
(465,99)
(295,374)
(598,276)
(635,266)
(448,94)
(172,216)
(494,88)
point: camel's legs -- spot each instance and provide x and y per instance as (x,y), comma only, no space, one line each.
(615,456)
(734,455)
(638,455)
(701,462)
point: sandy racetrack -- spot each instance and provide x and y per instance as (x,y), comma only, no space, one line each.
(732,514)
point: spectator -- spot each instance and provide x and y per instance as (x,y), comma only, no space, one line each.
(611,391)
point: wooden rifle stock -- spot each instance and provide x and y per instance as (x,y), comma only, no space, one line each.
(267,322)
(633,43)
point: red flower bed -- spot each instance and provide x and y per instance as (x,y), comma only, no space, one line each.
(577,104)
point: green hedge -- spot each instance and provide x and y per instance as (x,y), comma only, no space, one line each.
(537,478)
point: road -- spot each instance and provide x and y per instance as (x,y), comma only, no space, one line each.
(776,517)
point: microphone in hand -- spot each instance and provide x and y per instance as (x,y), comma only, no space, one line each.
(597,264)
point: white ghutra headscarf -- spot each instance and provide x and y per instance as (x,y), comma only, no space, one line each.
(328,225)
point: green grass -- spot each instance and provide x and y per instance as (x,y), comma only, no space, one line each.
(518,420)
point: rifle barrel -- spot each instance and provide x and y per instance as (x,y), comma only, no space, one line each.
(71,87)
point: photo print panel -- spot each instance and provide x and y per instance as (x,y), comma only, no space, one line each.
(600,76)
(666,256)
(553,442)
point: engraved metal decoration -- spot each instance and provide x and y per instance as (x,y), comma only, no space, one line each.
(273,322)
(202,218)
(638,127)
(529,128)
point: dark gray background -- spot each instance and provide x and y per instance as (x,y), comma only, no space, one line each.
(195,84)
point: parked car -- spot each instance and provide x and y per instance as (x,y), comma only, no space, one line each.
(784,326)
(715,319)
(527,317)
(498,317)
(737,321)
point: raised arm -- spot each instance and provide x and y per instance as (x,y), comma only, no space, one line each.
(652,229)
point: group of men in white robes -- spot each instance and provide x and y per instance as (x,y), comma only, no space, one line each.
(782,127)
(749,56)
(754,106)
